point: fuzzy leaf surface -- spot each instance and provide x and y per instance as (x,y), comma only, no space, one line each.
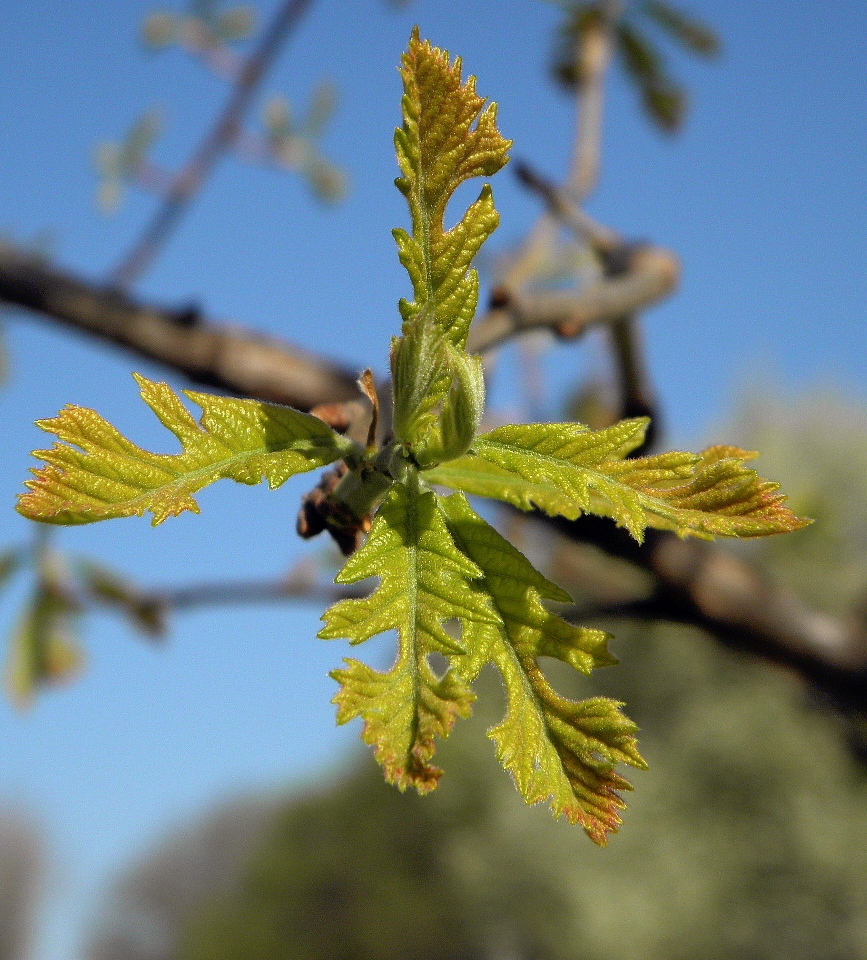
(425,581)
(95,473)
(566,469)
(448,136)
(557,750)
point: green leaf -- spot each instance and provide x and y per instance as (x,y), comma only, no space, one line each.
(642,60)
(95,473)
(666,103)
(687,30)
(160,29)
(664,100)
(569,470)
(425,581)
(557,750)
(43,649)
(446,138)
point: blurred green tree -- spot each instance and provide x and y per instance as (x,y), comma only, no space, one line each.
(747,839)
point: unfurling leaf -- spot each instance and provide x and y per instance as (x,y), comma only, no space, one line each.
(566,469)
(422,361)
(425,582)
(450,587)
(95,473)
(446,138)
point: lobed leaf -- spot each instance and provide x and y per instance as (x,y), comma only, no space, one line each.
(566,469)
(425,581)
(446,138)
(95,473)
(557,750)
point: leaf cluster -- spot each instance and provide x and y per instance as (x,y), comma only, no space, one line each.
(663,98)
(203,25)
(452,589)
(44,650)
(120,163)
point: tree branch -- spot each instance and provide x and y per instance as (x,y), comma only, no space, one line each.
(651,274)
(220,138)
(704,585)
(234,359)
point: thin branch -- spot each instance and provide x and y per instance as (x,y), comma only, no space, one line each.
(220,138)
(601,239)
(234,593)
(652,274)
(593,56)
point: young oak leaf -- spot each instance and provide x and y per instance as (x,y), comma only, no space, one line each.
(566,469)
(425,581)
(95,473)
(557,750)
(434,427)
(447,137)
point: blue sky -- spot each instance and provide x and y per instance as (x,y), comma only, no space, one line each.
(762,196)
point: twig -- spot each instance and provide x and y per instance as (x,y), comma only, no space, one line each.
(179,599)
(602,240)
(653,274)
(221,137)
(594,57)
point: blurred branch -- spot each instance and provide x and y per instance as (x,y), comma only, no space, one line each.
(704,585)
(298,585)
(21,880)
(220,138)
(651,274)
(593,56)
(602,240)
(618,258)
(246,363)
(234,359)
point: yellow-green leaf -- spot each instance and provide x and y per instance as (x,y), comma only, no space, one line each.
(558,750)
(95,473)
(425,582)
(566,469)
(446,138)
